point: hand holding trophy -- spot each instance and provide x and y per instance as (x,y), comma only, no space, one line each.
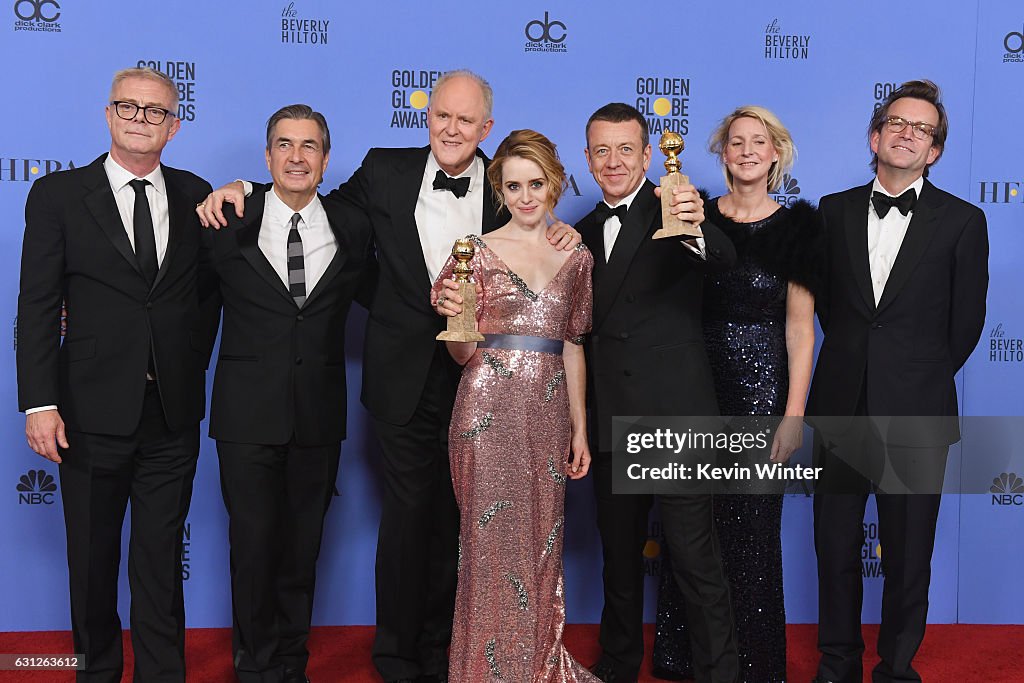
(462,326)
(671,225)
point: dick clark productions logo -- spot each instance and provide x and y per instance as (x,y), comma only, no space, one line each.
(37,15)
(1013,43)
(546,35)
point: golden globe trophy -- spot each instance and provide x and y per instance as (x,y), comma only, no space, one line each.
(671,225)
(462,326)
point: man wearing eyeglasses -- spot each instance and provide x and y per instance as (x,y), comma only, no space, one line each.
(902,308)
(118,404)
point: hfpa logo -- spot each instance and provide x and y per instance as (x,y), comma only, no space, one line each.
(36,487)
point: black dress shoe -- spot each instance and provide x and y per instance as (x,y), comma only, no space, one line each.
(294,676)
(607,673)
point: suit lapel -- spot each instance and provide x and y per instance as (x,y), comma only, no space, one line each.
(101,204)
(919,235)
(490,217)
(639,220)
(855,224)
(337,263)
(404,191)
(179,212)
(248,235)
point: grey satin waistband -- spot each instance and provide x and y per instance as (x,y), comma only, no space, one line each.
(522,342)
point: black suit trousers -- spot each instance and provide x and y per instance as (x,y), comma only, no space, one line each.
(276,497)
(906,532)
(153,468)
(689,530)
(417,545)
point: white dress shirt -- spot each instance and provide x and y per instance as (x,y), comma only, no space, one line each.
(612,224)
(124,195)
(885,237)
(442,218)
(318,242)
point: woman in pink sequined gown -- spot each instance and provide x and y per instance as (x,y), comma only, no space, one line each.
(518,430)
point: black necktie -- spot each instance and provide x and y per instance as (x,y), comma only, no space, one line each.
(145,240)
(296,264)
(457,186)
(883,202)
(604,212)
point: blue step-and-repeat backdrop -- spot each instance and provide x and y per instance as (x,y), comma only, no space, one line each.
(370,66)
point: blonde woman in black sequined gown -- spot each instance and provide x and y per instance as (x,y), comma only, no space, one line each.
(759,334)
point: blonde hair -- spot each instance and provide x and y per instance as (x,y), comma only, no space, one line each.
(532,146)
(779,136)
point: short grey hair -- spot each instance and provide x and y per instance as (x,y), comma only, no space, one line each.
(300,112)
(151,74)
(485,87)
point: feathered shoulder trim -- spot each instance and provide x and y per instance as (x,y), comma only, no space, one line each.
(790,247)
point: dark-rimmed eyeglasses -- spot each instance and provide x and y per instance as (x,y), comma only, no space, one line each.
(922,130)
(153,115)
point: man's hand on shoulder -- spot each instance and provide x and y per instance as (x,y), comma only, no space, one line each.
(210,210)
(44,430)
(563,236)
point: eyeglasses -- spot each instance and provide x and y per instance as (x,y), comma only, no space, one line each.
(922,130)
(153,115)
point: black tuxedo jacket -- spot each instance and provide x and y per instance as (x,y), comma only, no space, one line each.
(76,250)
(646,354)
(928,320)
(281,369)
(400,332)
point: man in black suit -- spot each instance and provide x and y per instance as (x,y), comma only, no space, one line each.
(646,356)
(417,202)
(118,404)
(902,308)
(288,272)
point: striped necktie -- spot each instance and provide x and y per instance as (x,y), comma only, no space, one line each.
(296,266)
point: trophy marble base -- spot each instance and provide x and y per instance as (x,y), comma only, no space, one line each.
(462,327)
(671,225)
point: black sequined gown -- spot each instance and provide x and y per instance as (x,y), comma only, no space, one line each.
(744,332)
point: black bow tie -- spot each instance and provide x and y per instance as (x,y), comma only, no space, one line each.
(458,186)
(604,212)
(883,202)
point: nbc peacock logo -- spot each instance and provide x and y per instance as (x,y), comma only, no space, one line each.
(1007,490)
(789,191)
(36,487)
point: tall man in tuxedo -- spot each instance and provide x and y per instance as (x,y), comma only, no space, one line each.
(118,404)
(646,357)
(902,308)
(288,272)
(417,202)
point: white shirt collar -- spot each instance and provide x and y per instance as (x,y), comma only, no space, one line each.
(916,186)
(282,213)
(119,176)
(628,201)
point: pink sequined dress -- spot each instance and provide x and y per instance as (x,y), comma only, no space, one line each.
(509,448)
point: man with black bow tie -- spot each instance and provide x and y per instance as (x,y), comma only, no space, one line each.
(902,308)
(646,356)
(416,202)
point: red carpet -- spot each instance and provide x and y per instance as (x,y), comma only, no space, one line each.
(950,653)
